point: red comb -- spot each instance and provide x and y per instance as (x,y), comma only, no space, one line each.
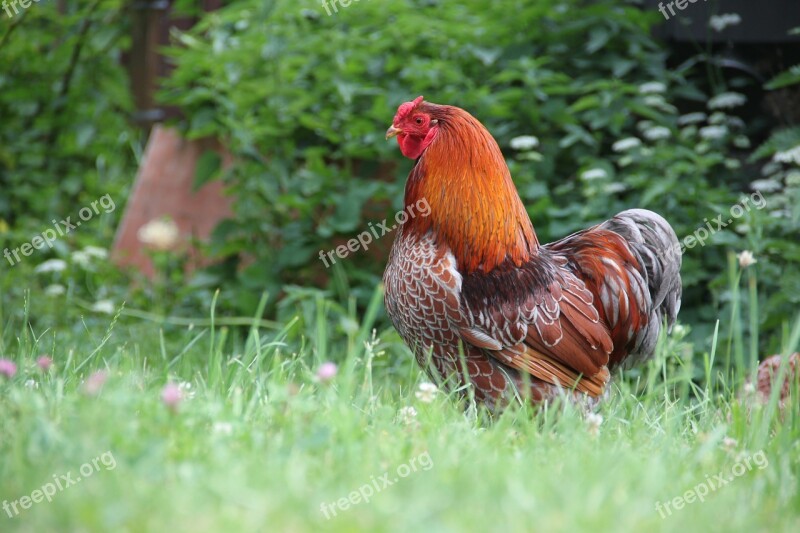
(405,109)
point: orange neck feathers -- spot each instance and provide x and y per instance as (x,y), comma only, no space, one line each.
(474,207)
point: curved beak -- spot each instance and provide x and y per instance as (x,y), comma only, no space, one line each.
(393,132)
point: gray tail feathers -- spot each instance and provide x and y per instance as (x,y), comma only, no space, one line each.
(655,245)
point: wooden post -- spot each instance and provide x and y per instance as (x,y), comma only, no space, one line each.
(146,20)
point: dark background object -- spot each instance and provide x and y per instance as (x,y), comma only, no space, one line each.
(763,21)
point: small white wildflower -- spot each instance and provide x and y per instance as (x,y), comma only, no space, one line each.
(593,421)
(160,235)
(31,384)
(613,188)
(628,143)
(222,428)
(793,178)
(720,22)
(767,185)
(679,330)
(746,259)
(713,132)
(691,118)
(427,392)
(524,142)
(656,133)
(104,306)
(718,117)
(594,174)
(96,252)
(729,443)
(657,101)
(652,87)
(51,265)
(788,156)
(727,101)
(186,390)
(54,290)
(81,258)
(749,388)
(407,415)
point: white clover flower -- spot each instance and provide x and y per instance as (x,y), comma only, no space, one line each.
(628,143)
(186,390)
(594,174)
(51,265)
(407,415)
(720,22)
(104,306)
(691,118)
(746,259)
(729,443)
(656,133)
(524,142)
(54,290)
(713,132)
(159,234)
(96,252)
(427,392)
(222,428)
(652,87)
(593,422)
(727,100)
(788,156)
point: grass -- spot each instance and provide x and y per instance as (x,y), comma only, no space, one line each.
(259,443)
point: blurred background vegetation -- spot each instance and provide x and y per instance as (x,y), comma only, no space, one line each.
(594,107)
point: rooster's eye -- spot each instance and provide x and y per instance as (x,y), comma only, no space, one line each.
(419,120)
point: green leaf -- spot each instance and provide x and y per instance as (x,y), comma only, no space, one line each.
(207,169)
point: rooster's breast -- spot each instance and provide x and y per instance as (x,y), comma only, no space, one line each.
(422,295)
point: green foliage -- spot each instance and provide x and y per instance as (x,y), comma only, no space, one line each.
(65,142)
(302,100)
(64,101)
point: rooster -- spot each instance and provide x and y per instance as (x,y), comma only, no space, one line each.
(481,302)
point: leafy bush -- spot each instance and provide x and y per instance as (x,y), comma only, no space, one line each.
(65,142)
(302,100)
(64,103)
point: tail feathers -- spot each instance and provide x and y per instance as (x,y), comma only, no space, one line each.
(654,243)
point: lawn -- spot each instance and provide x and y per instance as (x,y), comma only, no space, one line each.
(141,426)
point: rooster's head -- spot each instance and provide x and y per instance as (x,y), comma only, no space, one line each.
(414,126)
